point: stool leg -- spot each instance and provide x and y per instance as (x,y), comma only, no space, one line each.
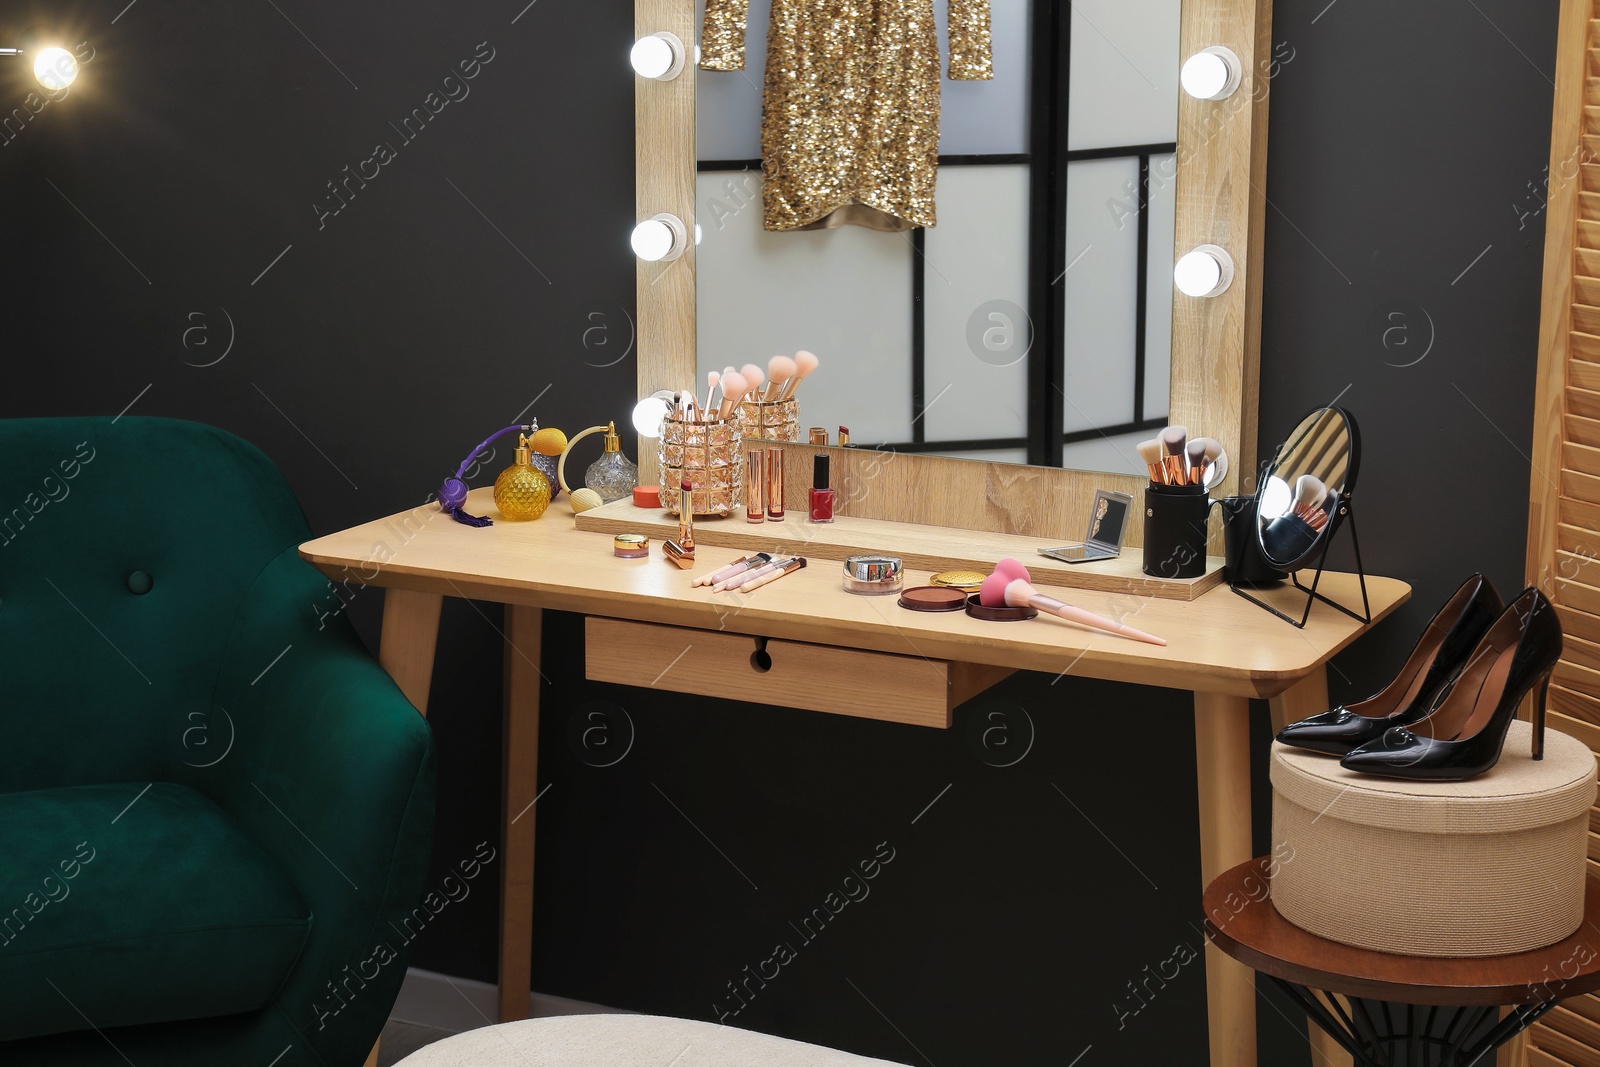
(1222,757)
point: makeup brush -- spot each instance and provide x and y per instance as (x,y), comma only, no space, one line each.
(1309,492)
(753,378)
(733,388)
(1215,463)
(1196,450)
(804,363)
(712,378)
(779,370)
(754,572)
(773,575)
(1017,593)
(713,577)
(1150,451)
(1173,439)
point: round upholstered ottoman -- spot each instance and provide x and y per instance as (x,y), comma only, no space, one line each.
(625,1041)
(1486,867)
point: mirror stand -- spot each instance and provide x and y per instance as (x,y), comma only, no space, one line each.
(1344,516)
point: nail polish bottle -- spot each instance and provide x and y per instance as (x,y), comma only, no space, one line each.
(821,495)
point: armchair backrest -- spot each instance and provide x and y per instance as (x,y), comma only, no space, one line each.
(126,547)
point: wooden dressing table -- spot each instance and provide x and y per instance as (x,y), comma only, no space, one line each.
(905,666)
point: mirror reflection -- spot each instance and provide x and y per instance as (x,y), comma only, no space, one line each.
(1313,472)
(972,232)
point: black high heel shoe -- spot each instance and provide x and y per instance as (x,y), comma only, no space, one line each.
(1441,650)
(1464,735)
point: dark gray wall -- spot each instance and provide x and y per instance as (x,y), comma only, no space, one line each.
(457,287)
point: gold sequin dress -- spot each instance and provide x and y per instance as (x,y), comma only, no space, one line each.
(850,116)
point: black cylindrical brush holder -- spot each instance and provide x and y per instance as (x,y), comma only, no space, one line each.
(1175,530)
(1244,563)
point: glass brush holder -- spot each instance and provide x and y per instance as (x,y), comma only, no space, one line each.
(778,420)
(707,456)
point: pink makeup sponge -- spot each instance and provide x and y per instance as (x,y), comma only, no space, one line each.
(1013,569)
(992,593)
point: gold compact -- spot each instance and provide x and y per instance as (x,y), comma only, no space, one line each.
(630,546)
(967,581)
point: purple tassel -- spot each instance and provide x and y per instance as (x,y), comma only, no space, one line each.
(470,520)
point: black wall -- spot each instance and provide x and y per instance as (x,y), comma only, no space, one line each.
(468,280)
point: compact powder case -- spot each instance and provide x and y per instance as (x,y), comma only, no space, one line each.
(966,581)
(872,575)
(933,598)
(1002,614)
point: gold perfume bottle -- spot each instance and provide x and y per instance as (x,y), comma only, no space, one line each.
(522,492)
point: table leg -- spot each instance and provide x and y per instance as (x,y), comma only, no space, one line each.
(406,644)
(1222,755)
(1301,700)
(1307,697)
(519,787)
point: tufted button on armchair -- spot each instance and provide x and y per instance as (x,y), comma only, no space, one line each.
(215,808)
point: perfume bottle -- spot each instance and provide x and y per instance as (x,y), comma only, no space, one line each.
(522,491)
(613,475)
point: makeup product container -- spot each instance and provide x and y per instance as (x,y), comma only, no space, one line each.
(775,484)
(755,482)
(1175,530)
(630,546)
(819,435)
(821,495)
(776,420)
(706,454)
(873,575)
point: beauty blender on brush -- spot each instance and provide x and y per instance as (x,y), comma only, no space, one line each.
(1012,569)
(804,363)
(999,591)
(779,370)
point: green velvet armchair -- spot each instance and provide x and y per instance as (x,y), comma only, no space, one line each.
(216,809)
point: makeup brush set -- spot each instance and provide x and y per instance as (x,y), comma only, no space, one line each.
(1183,470)
(749,573)
(1174,458)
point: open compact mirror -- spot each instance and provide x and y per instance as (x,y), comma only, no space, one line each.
(1304,497)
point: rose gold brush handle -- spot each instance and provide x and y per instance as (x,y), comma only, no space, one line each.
(1055,607)
(739,579)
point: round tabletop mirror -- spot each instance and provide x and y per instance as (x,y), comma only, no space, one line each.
(1313,473)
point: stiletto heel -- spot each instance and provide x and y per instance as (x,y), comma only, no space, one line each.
(1538,717)
(1463,736)
(1439,653)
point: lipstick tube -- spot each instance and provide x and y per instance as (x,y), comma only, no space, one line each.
(755,484)
(686,517)
(775,484)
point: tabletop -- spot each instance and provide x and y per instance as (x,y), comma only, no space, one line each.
(1218,642)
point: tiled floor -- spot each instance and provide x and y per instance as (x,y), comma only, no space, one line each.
(402,1039)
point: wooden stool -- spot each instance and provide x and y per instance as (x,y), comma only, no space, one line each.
(1391,1009)
(624,1041)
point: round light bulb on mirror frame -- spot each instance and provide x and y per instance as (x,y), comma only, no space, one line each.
(1212,73)
(649,413)
(661,238)
(659,57)
(1204,271)
(55,68)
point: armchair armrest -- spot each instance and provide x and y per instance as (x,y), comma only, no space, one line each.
(330,769)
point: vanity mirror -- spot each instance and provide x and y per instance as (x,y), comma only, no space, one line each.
(1039,320)
(1303,499)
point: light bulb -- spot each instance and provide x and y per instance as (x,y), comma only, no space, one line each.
(660,238)
(1205,271)
(1211,74)
(647,416)
(55,68)
(658,57)
(1276,498)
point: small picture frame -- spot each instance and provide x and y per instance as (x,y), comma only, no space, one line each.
(1108,527)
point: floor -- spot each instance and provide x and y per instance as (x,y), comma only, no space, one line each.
(402,1039)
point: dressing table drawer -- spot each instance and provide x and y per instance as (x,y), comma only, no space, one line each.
(790,674)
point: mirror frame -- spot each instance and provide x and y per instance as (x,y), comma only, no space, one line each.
(1216,341)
